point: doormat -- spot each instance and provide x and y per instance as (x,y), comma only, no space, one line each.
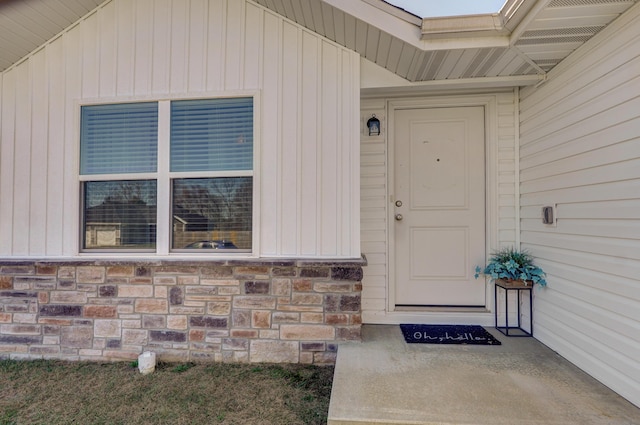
(447,334)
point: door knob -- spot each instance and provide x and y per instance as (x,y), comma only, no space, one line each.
(399,217)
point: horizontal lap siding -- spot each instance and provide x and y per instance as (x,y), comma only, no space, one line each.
(580,151)
(374,213)
(309,93)
(506,163)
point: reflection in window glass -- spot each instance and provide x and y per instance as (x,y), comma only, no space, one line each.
(120,214)
(212,213)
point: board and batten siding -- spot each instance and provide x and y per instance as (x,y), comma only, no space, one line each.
(308,101)
(580,152)
(375,192)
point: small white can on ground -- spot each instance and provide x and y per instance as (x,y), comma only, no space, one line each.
(147,362)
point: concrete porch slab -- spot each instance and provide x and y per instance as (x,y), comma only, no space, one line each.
(385,381)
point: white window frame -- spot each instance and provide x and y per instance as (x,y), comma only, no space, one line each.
(163,177)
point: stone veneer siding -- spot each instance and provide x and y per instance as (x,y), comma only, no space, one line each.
(224,311)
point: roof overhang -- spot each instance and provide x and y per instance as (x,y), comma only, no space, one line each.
(519,44)
(526,38)
(490,25)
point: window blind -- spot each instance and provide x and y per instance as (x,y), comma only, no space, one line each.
(212,135)
(118,139)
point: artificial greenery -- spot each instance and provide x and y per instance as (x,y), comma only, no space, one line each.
(510,264)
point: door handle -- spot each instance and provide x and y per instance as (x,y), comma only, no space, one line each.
(399,217)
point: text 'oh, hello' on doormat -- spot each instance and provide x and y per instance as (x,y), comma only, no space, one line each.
(447,334)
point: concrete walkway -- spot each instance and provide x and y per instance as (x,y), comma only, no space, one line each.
(383,381)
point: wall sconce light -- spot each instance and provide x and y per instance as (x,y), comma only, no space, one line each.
(548,215)
(374,126)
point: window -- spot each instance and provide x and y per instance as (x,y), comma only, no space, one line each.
(198,175)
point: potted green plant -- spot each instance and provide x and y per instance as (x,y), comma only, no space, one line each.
(514,268)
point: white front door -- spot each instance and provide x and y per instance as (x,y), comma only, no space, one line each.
(439,206)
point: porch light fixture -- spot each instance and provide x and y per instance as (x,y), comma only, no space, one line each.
(374,126)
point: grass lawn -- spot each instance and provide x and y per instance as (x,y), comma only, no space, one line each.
(54,392)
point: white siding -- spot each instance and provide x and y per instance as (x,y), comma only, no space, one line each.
(501,193)
(506,230)
(308,89)
(374,214)
(580,150)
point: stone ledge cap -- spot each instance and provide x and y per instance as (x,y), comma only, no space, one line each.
(264,261)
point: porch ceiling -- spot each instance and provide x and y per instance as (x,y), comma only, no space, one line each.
(526,37)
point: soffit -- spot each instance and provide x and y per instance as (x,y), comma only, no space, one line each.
(27,24)
(563,26)
(527,37)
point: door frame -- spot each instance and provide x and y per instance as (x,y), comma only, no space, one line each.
(489,102)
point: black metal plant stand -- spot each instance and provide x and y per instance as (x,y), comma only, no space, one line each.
(518,287)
